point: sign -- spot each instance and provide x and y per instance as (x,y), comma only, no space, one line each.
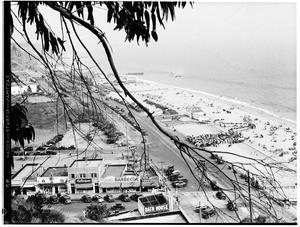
(134,178)
(154,209)
(150,179)
(83,181)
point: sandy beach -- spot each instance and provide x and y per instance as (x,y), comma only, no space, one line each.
(273,139)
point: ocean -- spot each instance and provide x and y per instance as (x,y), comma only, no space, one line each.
(275,94)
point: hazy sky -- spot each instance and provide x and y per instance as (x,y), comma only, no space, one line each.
(207,37)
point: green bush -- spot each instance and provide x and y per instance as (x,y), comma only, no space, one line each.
(97,212)
(52,216)
(31,211)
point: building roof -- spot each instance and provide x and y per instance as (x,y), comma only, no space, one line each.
(55,171)
(166,217)
(86,163)
(114,170)
(153,200)
(25,171)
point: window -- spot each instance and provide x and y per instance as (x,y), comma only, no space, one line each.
(72,176)
(93,175)
(82,175)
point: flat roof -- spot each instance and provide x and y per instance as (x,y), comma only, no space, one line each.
(114,170)
(86,163)
(55,171)
(153,200)
(166,217)
(173,218)
(25,171)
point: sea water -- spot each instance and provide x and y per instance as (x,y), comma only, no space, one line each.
(275,94)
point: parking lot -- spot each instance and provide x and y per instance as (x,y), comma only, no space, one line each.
(76,207)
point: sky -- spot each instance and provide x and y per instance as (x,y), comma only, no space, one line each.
(209,36)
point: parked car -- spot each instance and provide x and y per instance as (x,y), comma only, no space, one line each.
(124,198)
(214,186)
(109,198)
(214,156)
(86,198)
(53,199)
(71,147)
(220,160)
(65,199)
(41,148)
(176,172)
(206,211)
(231,206)
(98,199)
(173,177)
(220,195)
(51,152)
(118,206)
(168,170)
(179,184)
(135,197)
(182,178)
(62,148)
(16,149)
(28,149)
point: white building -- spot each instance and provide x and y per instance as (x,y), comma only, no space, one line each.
(18,89)
(53,180)
(84,176)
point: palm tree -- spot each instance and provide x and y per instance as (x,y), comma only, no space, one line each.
(20,128)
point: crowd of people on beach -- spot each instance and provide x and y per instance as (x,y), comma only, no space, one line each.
(206,140)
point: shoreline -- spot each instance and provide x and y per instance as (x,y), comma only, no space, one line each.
(246,107)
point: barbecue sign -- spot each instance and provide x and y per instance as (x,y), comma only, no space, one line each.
(159,208)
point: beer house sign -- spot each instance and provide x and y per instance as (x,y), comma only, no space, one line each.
(155,209)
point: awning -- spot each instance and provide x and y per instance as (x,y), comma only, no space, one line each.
(149,184)
(112,184)
(132,184)
(88,186)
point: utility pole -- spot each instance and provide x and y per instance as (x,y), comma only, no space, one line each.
(250,202)
(200,214)
(127,140)
(162,175)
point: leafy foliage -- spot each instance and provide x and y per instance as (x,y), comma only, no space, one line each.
(97,212)
(138,19)
(20,128)
(52,216)
(31,211)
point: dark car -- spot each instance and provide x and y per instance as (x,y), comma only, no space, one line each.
(86,198)
(172,177)
(62,148)
(65,199)
(53,199)
(51,152)
(97,198)
(178,184)
(182,178)
(220,195)
(28,149)
(220,160)
(124,198)
(206,211)
(40,148)
(71,147)
(135,197)
(214,156)
(109,198)
(118,206)
(214,186)
(231,206)
(16,149)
